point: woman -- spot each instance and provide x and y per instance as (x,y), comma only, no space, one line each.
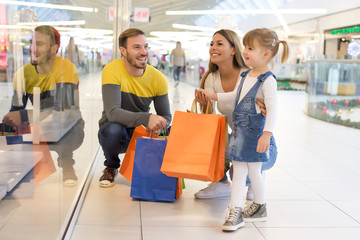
(225,65)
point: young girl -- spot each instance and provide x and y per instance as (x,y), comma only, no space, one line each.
(252,142)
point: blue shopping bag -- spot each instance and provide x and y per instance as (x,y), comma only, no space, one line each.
(148,182)
(12,136)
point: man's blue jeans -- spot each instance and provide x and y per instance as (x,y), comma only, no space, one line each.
(114,139)
(176,73)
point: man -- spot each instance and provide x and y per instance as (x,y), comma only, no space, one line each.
(56,77)
(178,60)
(129,86)
(58,81)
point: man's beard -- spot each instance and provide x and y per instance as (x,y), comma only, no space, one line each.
(132,63)
(45,60)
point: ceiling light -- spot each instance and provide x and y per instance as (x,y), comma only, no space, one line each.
(279,16)
(169,33)
(200,28)
(66,30)
(81,31)
(16,27)
(54,23)
(181,36)
(193,27)
(47,5)
(248,11)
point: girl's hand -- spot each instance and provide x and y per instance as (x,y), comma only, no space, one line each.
(200,95)
(264,142)
(206,94)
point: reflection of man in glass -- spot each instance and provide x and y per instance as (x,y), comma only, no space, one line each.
(58,81)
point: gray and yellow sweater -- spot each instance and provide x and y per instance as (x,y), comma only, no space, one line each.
(57,88)
(127,99)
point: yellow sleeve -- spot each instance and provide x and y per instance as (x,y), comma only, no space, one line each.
(66,72)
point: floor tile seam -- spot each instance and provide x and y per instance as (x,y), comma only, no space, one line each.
(141,222)
(107,224)
(303,183)
(308,186)
(354,219)
(258,227)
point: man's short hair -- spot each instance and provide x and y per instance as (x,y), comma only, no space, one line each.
(50,31)
(130,32)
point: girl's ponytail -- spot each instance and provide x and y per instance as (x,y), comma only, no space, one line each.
(285,52)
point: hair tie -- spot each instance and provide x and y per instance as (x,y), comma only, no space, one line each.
(273,43)
(280,41)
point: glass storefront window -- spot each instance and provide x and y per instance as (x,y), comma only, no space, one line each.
(50,103)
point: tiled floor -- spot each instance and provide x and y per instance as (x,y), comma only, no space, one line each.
(312,191)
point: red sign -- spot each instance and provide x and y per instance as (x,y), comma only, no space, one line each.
(141,15)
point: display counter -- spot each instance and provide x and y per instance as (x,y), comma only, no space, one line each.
(290,76)
(333,91)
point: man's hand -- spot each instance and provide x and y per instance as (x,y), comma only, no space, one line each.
(156,123)
(13,119)
(260,102)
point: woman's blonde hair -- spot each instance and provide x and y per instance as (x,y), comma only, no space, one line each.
(238,61)
(268,39)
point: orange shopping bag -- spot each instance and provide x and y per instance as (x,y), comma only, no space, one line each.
(196,147)
(127,164)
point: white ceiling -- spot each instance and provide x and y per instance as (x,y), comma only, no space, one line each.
(161,22)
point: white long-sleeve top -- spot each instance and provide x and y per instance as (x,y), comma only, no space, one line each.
(267,91)
(213,85)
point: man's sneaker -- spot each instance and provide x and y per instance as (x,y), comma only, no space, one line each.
(255,212)
(69,177)
(250,194)
(233,219)
(215,190)
(176,84)
(108,177)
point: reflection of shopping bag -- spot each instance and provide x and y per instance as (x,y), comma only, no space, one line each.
(11,136)
(148,183)
(44,167)
(196,147)
(126,168)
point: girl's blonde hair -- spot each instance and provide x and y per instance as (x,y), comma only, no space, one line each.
(268,39)
(238,61)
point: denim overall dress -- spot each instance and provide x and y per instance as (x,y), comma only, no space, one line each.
(248,128)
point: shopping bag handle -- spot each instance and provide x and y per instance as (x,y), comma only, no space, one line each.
(16,132)
(194,107)
(166,133)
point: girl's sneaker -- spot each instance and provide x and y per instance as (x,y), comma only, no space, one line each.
(255,212)
(233,219)
(250,194)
